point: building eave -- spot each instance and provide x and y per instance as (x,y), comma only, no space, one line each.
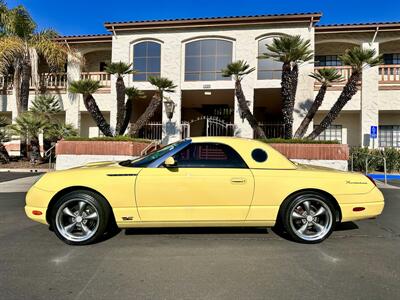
(213,22)
(360,27)
(84,39)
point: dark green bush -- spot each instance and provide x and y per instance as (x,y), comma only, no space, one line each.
(120,138)
(296,141)
(375,159)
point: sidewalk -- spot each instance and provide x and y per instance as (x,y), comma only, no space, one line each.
(18,185)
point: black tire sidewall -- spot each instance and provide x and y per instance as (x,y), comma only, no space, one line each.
(294,201)
(94,199)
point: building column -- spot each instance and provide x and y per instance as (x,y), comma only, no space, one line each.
(72,112)
(369,99)
(242,126)
(171,129)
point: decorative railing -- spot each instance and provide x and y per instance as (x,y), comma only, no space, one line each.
(103,77)
(345,71)
(151,131)
(52,80)
(389,74)
(272,130)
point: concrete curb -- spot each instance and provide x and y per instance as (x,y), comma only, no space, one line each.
(27,170)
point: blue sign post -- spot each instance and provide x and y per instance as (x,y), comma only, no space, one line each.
(373,134)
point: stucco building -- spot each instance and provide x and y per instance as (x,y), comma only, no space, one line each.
(191,52)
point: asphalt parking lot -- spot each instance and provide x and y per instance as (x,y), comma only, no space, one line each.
(360,260)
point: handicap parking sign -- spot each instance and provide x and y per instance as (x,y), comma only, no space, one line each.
(374,132)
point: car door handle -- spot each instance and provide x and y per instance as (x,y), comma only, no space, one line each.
(238,180)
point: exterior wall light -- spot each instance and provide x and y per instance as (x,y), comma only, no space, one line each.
(169,106)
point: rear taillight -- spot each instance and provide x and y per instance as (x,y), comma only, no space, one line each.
(372,180)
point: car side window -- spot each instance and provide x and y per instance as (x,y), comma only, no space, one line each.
(209,155)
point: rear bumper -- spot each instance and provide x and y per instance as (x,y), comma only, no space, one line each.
(372,205)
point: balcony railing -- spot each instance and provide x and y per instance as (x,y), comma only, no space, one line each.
(103,77)
(52,80)
(389,74)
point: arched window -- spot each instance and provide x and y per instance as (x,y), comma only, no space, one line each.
(204,59)
(267,68)
(146,60)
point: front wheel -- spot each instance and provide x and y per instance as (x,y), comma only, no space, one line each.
(308,218)
(80,217)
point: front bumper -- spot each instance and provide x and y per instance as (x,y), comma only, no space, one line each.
(37,201)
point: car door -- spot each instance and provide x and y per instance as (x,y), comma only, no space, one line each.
(210,182)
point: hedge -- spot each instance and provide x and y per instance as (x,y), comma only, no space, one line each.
(120,138)
(295,141)
(375,159)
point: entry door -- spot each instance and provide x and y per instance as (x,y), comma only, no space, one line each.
(210,182)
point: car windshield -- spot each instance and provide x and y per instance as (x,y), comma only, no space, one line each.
(144,161)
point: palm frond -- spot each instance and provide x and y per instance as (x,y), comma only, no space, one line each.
(46,105)
(358,58)
(12,49)
(17,22)
(327,76)
(238,69)
(134,93)
(28,124)
(57,131)
(84,86)
(119,68)
(288,49)
(163,84)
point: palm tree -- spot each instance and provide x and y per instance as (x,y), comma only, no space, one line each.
(358,58)
(4,137)
(239,69)
(120,69)
(163,85)
(46,106)
(87,87)
(133,94)
(29,125)
(326,77)
(58,131)
(21,45)
(291,51)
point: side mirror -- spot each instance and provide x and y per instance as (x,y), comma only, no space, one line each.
(170,162)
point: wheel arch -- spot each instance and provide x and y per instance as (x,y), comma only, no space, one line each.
(332,199)
(69,189)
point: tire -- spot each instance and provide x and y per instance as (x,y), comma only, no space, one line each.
(80,217)
(308,218)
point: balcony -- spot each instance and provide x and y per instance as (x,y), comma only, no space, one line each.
(345,71)
(58,82)
(389,77)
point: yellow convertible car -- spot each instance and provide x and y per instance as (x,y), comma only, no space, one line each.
(205,181)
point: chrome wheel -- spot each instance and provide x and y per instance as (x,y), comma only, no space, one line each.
(77,220)
(311,218)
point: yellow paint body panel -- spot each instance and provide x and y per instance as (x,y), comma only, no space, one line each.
(157,197)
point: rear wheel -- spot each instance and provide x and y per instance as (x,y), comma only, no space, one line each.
(80,217)
(308,218)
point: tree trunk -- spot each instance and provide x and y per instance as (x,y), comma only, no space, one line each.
(147,115)
(349,90)
(25,82)
(295,78)
(311,112)
(120,88)
(97,116)
(127,118)
(17,88)
(246,111)
(4,157)
(35,148)
(286,93)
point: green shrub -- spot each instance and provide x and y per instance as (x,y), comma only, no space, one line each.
(120,138)
(375,159)
(296,141)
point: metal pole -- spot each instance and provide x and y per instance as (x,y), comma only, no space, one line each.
(384,169)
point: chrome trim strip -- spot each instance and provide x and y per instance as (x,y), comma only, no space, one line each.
(159,161)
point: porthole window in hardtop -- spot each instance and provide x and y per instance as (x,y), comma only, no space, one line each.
(259,155)
(209,155)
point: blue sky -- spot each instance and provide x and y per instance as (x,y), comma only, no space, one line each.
(87,17)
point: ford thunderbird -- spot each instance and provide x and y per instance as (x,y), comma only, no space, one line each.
(205,181)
